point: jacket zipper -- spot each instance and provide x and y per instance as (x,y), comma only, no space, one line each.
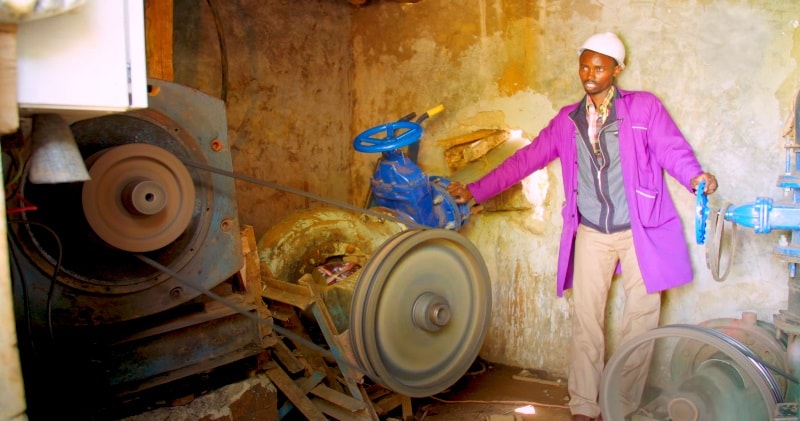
(603,197)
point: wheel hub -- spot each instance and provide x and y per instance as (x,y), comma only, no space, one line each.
(140,197)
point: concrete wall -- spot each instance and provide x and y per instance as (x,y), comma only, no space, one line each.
(305,77)
(286,76)
(726,70)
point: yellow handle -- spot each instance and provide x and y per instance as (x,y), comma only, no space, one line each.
(435,110)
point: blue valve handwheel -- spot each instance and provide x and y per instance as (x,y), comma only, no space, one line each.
(388,137)
(701,214)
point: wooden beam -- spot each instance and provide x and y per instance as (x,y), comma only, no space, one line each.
(347,402)
(284,292)
(459,156)
(9,111)
(295,394)
(465,138)
(158,24)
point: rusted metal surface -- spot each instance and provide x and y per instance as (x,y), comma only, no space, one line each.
(100,284)
(106,322)
(198,342)
(307,239)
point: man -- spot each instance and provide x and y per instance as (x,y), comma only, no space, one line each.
(614,147)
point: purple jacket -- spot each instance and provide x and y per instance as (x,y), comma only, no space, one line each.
(650,143)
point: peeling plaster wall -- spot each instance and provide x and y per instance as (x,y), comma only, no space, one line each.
(305,77)
(287,90)
(727,71)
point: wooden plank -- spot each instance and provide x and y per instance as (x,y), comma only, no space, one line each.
(310,382)
(337,347)
(9,111)
(392,401)
(459,156)
(287,358)
(158,17)
(338,412)
(346,349)
(295,395)
(305,384)
(408,411)
(387,403)
(286,286)
(295,295)
(312,355)
(371,414)
(349,403)
(482,147)
(328,328)
(465,138)
(250,273)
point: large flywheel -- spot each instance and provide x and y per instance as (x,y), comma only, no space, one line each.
(416,303)
(698,373)
(420,310)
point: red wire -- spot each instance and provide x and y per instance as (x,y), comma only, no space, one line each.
(27,206)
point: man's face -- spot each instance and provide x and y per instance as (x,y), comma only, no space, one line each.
(597,72)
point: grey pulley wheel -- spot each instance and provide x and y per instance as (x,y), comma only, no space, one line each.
(420,310)
(729,384)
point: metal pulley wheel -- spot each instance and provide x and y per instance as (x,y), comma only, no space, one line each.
(698,373)
(758,336)
(140,197)
(419,312)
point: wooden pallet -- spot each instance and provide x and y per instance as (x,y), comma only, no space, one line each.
(309,383)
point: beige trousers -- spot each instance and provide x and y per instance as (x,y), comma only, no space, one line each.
(596,258)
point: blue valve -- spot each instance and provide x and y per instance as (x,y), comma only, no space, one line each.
(394,136)
(701,214)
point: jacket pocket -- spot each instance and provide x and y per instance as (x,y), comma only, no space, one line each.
(648,204)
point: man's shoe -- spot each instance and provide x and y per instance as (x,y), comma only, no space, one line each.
(581,417)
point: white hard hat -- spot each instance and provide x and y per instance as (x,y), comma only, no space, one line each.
(606,43)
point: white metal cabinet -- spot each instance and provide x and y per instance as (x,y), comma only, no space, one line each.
(88,61)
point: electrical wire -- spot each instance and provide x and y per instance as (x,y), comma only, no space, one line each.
(16,170)
(714,244)
(223,50)
(26,306)
(56,270)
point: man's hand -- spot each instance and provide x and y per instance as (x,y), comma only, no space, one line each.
(459,191)
(711,182)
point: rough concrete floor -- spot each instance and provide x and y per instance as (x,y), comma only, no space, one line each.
(491,392)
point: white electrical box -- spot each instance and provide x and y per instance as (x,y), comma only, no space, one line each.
(85,62)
